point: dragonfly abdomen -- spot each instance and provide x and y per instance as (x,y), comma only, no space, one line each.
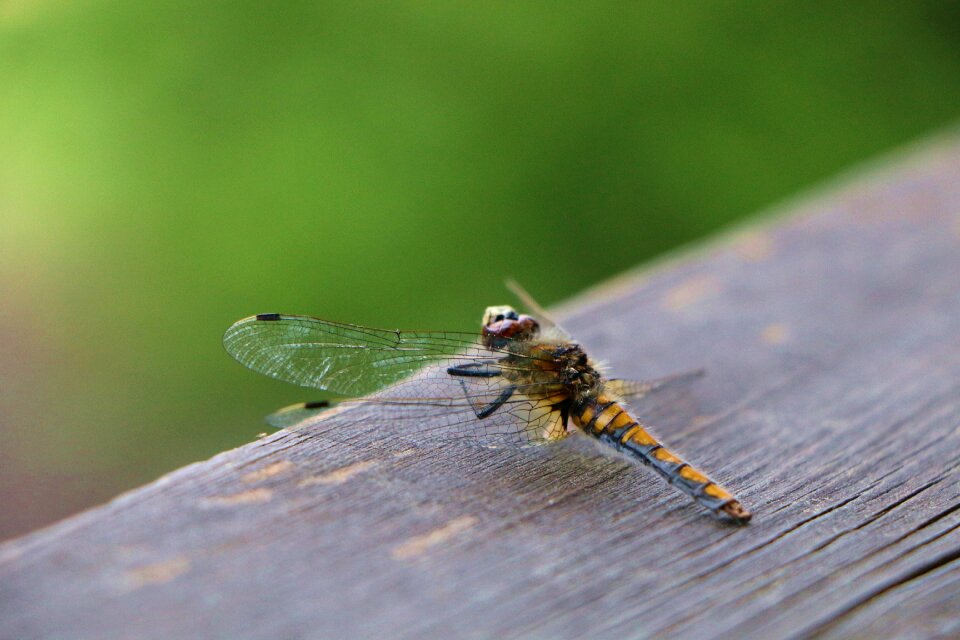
(608,421)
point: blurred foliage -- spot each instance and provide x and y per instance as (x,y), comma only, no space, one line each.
(168,168)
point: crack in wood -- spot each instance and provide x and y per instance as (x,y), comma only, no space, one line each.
(876,516)
(736,558)
(752,550)
(845,569)
(940,561)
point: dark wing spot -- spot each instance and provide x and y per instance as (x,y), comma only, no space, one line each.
(319,404)
(268,316)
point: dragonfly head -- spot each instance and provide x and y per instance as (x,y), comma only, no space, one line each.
(505,322)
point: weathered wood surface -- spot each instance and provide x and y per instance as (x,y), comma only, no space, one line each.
(832,405)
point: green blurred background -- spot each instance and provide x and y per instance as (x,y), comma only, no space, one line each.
(167,168)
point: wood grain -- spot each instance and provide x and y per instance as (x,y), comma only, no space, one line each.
(831,406)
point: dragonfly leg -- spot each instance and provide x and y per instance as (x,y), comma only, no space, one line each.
(564,409)
(476,370)
(486,410)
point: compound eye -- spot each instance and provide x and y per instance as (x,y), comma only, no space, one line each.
(512,315)
(499,318)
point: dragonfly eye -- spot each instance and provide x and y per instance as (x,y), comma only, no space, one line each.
(499,314)
(518,328)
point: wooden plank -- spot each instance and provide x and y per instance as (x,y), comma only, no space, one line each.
(831,407)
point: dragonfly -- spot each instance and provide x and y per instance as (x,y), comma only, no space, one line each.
(513,384)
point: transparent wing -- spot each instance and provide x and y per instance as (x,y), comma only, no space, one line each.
(638,389)
(345,359)
(489,412)
(404,376)
(473,409)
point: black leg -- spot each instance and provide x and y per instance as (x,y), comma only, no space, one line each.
(476,370)
(483,412)
(564,412)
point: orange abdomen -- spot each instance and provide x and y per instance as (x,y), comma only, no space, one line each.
(608,421)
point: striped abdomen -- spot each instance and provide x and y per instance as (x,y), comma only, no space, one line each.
(609,422)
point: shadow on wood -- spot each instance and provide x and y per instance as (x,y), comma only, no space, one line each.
(831,406)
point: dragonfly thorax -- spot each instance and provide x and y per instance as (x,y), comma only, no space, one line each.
(583,381)
(553,369)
